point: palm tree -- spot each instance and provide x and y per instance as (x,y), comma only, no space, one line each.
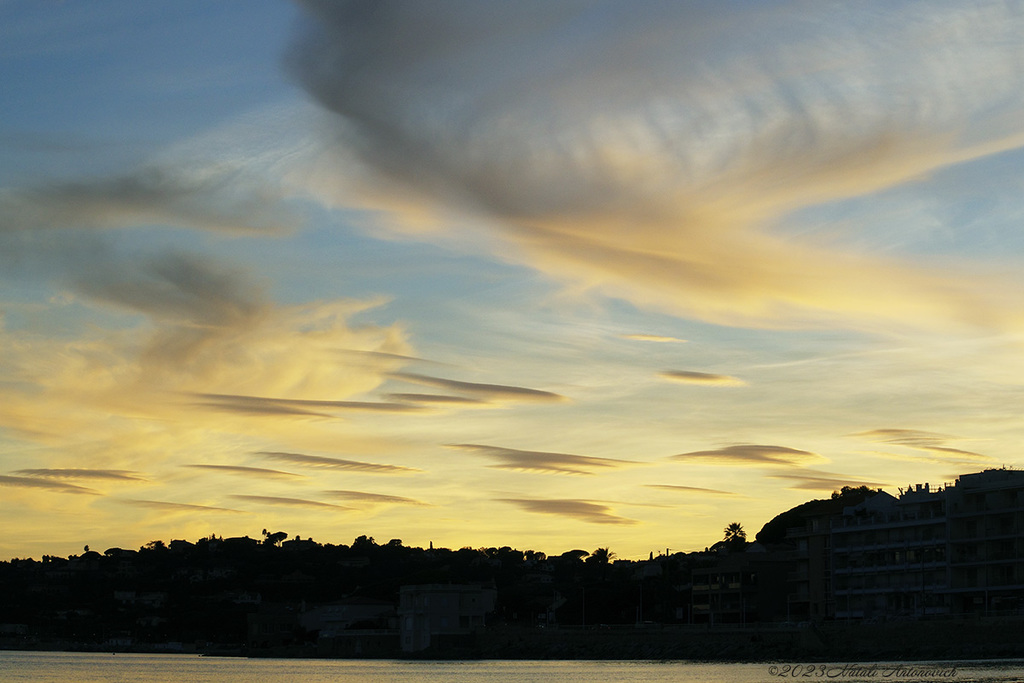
(735,536)
(601,556)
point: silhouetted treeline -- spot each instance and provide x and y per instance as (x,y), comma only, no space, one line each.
(202,592)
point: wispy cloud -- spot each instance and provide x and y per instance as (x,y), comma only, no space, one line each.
(373,498)
(579,510)
(497,392)
(435,399)
(47,484)
(751,454)
(323,462)
(116,475)
(204,198)
(615,153)
(690,489)
(261,472)
(704,378)
(288,502)
(263,405)
(541,461)
(931,445)
(167,506)
(654,338)
(814,480)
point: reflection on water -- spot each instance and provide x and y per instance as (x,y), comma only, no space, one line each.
(54,667)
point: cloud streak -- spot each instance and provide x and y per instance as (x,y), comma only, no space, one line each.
(373,498)
(702,378)
(931,445)
(167,506)
(814,480)
(579,510)
(113,475)
(690,489)
(288,502)
(322,462)
(750,454)
(541,461)
(262,405)
(259,472)
(46,484)
(496,392)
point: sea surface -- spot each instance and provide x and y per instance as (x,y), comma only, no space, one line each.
(64,667)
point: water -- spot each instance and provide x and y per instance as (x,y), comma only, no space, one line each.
(64,667)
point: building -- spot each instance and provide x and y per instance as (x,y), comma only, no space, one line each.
(986,543)
(954,550)
(740,587)
(889,556)
(442,615)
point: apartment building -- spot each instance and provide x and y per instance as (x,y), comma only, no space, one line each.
(954,549)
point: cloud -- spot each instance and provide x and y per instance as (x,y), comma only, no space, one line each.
(288,502)
(657,152)
(261,405)
(654,338)
(373,498)
(579,510)
(206,198)
(540,461)
(813,480)
(47,484)
(248,471)
(498,392)
(321,462)
(175,507)
(690,377)
(431,399)
(746,454)
(931,444)
(116,475)
(690,489)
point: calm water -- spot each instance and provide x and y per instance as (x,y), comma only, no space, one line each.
(53,667)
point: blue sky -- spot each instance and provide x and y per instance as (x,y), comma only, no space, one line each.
(548,275)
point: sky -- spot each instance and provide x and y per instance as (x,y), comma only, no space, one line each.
(550,275)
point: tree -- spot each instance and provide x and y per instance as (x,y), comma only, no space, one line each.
(275,538)
(600,556)
(735,536)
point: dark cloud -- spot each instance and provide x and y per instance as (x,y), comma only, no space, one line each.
(580,510)
(322,462)
(691,377)
(118,475)
(249,471)
(746,454)
(488,391)
(373,498)
(645,148)
(933,445)
(178,287)
(814,480)
(175,507)
(205,199)
(262,405)
(690,489)
(46,484)
(541,461)
(289,502)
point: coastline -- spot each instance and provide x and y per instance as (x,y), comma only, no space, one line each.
(898,641)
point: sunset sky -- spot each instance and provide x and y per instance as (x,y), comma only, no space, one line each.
(543,274)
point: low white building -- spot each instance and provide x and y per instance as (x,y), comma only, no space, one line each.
(439,614)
